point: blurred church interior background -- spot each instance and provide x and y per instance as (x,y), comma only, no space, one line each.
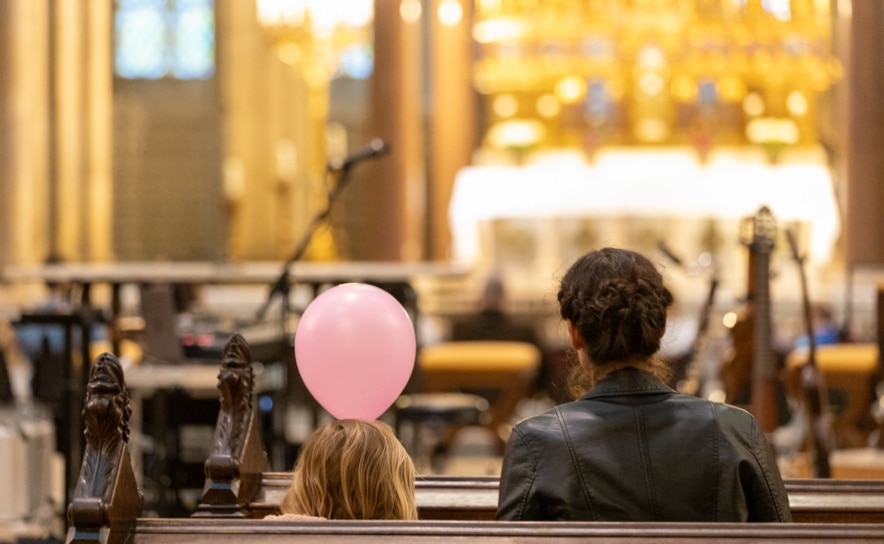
(249,154)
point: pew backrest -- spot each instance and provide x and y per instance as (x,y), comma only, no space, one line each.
(239,531)
(836,501)
(475,498)
(438,497)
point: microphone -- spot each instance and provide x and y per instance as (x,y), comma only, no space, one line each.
(669,254)
(375,148)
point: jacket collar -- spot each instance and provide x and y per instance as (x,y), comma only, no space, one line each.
(629,380)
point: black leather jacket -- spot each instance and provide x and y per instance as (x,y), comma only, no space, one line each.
(635,449)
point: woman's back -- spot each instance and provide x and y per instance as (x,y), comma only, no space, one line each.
(631,448)
(634,449)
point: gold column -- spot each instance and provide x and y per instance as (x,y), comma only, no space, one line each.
(99,132)
(316,78)
(55,156)
(452,122)
(264,114)
(24,155)
(864,221)
(81,212)
(394,186)
(412,143)
(69,127)
(7,186)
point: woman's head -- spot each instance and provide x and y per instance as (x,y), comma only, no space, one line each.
(352,469)
(615,301)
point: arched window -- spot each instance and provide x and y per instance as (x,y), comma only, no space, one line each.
(164,38)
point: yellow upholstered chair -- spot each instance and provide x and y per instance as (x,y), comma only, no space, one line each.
(849,370)
(853,368)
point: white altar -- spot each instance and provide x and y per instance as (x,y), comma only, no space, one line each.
(529,221)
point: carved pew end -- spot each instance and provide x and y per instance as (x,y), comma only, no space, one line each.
(234,467)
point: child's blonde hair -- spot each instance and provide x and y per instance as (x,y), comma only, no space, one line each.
(352,469)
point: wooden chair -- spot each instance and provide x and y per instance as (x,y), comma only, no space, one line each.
(444,413)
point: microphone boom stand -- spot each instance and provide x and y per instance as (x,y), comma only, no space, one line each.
(281,285)
(374,149)
(278,452)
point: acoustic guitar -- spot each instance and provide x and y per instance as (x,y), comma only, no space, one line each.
(751,376)
(811,392)
(692,383)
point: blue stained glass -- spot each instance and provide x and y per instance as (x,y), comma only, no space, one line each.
(140,34)
(135,4)
(778,8)
(357,61)
(194,41)
(157,38)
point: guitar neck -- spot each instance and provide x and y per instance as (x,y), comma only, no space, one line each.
(691,383)
(764,370)
(764,365)
(813,391)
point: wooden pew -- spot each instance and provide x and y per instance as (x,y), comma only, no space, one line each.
(106,506)
(475,498)
(438,497)
(237,531)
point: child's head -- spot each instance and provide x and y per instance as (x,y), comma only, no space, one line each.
(352,469)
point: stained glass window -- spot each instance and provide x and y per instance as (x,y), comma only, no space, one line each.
(164,38)
(357,61)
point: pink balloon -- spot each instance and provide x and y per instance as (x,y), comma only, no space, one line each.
(355,350)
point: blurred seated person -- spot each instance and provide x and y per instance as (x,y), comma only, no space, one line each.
(43,344)
(351,469)
(38,340)
(492,322)
(825,331)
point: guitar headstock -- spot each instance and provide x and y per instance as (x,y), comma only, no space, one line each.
(760,231)
(793,246)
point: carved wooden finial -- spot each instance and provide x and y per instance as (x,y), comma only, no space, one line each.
(236,384)
(234,467)
(107,494)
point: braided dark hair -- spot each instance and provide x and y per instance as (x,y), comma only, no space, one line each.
(618,303)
